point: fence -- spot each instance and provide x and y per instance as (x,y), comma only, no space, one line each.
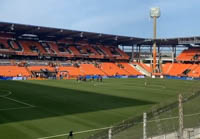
(158,112)
(169,127)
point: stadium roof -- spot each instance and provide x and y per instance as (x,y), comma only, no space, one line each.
(49,33)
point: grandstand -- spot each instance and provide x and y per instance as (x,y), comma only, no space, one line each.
(35,52)
(40,53)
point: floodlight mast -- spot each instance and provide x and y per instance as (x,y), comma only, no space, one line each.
(154,13)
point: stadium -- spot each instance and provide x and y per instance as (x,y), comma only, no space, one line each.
(58,83)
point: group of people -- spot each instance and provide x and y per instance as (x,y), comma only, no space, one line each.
(90,78)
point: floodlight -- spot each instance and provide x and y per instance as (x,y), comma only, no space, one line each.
(81,34)
(155,12)
(12,27)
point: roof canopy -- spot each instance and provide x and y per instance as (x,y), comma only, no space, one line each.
(54,34)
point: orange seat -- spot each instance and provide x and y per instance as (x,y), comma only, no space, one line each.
(90,69)
(72,71)
(189,55)
(177,69)
(13,71)
(130,69)
(112,69)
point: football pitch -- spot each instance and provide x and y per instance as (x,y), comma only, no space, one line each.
(38,109)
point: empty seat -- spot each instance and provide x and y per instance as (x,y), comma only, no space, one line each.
(112,69)
(130,69)
(13,71)
(90,69)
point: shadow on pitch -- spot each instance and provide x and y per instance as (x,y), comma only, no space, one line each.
(54,101)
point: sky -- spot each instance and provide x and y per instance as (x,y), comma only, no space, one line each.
(179,18)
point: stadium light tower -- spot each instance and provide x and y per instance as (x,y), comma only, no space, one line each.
(154,13)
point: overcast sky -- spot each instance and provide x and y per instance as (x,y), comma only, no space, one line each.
(179,18)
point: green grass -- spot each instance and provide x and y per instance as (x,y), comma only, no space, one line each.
(61,106)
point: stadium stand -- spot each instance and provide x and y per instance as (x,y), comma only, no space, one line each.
(31,50)
(178,69)
(39,55)
(113,69)
(128,68)
(39,68)
(35,48)
(14,71)
(195,71)
(191,54)
(166,68)
(181,69)
(72,71)
(28,49)
(90,69)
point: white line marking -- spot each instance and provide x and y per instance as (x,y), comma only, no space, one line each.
(19,101)
(61,135)
(9,93)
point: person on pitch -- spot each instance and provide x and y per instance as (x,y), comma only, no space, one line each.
(70,135)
